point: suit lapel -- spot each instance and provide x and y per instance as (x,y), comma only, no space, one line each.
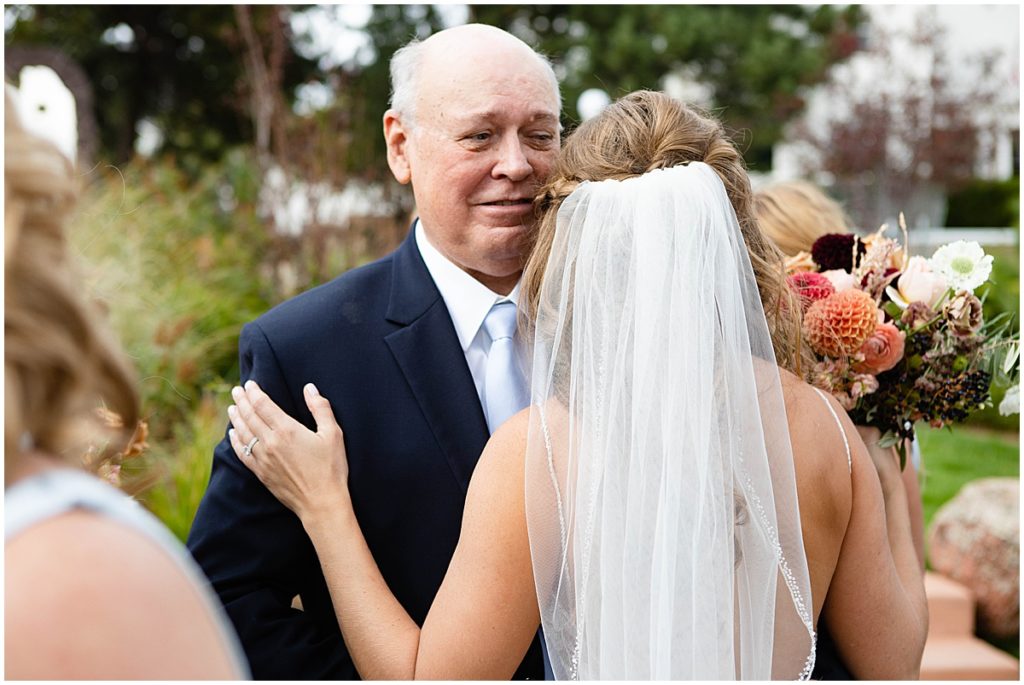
(429,354)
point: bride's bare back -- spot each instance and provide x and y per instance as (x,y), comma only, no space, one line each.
(485,613)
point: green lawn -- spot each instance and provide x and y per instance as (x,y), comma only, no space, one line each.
(953,458)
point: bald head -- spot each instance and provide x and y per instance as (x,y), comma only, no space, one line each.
(459,54)
(474,128)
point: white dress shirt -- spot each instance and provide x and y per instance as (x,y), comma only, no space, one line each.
(468,301)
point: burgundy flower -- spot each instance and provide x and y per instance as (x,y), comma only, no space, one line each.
(835,251)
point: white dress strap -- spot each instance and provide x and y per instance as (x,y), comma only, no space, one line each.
(842,431)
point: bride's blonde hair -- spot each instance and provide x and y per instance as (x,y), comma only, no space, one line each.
(644,131)
(60,362)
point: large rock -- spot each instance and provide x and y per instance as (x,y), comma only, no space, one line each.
(975,539)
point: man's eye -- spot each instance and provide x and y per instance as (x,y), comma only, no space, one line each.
(479,137)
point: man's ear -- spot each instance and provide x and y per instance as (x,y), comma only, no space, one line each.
(397,139)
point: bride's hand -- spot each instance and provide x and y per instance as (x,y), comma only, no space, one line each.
(306,471)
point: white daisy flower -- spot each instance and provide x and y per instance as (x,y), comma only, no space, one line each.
(964,264)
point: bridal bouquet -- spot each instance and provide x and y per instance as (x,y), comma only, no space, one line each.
(899,338)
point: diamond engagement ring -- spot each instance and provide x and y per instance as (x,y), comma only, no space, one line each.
(252,443)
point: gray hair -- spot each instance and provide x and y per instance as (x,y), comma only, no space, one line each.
(405,70)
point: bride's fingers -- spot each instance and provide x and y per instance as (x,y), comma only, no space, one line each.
(239,447)
(266,409)
(320,408)
(249,415)
(244,435)
(240,436)
(239,425)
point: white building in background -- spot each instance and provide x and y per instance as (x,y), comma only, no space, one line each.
(971,29)
(47,108)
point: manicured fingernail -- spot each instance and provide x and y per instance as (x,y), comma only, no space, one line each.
(250,384)
(231,433)
(235,392)
(232,410)
(311,389)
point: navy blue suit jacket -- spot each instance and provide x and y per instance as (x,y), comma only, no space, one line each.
(379,343)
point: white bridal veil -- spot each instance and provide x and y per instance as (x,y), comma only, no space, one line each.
(660,494)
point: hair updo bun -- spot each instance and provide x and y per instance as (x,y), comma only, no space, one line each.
(645,131)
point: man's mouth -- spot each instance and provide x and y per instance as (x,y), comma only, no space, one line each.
(509,203)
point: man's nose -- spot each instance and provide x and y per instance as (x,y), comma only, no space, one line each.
(512,160)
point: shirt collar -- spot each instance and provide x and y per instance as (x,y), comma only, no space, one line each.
(468,300)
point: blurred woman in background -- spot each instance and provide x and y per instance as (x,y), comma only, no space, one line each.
(796,213)
(95,587)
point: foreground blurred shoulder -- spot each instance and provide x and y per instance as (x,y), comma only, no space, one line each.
(90,598)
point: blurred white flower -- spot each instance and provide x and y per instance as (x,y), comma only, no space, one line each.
(1011,401)
(964,264)
(841,280)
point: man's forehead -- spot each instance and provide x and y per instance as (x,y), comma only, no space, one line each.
(538,114)
(473,76)
(485,93)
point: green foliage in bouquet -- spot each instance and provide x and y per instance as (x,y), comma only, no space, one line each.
(1001,295)
(942,377)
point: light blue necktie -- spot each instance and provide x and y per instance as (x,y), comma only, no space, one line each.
(504,385)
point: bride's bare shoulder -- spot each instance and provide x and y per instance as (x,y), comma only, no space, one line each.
(509,440)
(502,461)
(504,458)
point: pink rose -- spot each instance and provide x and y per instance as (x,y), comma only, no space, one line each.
(919,283)
(882,350)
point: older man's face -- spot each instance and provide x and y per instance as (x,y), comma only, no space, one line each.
(485,137)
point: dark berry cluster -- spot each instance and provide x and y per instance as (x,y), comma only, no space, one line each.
(918,343)
(957,397)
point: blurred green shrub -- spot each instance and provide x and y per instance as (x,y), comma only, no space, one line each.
(180,266)
(180,466)
(177,267)
(177,264)
(985,204)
